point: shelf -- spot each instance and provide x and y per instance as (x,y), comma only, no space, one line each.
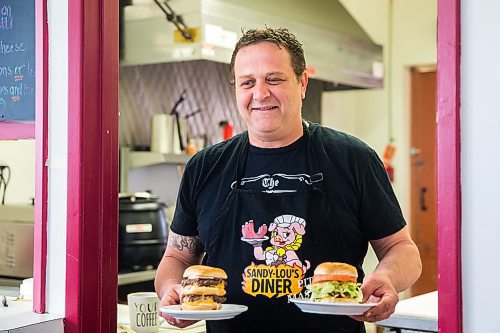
(138,159)
(134,277)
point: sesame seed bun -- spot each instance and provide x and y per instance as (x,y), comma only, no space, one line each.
(336,268)
(197,271)
(335,282)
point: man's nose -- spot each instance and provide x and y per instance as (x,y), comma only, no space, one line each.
(261,91)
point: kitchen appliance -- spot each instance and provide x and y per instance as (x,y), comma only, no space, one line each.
(16,241)
(143,231)
(338,49)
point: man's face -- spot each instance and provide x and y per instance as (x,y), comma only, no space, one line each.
(268,94)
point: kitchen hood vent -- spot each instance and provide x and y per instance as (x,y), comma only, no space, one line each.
(337,49)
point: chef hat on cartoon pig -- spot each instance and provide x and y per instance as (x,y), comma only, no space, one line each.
(287,220)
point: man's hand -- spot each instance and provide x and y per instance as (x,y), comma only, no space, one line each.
(377,288)
(173,296)
(399,267)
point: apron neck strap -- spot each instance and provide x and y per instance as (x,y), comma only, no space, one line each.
(242,160)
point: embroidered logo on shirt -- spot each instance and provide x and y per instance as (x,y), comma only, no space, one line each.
(269,183)
(283,271)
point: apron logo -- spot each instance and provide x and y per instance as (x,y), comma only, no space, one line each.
(272,281)
(283,271)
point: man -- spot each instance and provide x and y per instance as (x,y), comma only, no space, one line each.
(272,203)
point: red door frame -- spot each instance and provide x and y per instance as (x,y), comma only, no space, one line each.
(448,167)
(92,215)
(93,165)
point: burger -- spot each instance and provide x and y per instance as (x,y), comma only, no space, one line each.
(335,282)
(203,288)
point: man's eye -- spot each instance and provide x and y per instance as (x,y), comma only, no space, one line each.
(246,84)
(274,80)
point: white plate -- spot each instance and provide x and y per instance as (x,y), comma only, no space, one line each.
(253,241)
(228,311)
(332,308)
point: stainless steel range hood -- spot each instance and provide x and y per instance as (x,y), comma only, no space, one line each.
(337,49)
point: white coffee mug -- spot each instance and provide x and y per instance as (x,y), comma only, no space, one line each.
(143,311)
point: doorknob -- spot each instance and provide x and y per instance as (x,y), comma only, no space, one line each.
(423,206)
(414,151)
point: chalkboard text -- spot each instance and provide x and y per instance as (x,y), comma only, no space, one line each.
(6,20)
(17,60)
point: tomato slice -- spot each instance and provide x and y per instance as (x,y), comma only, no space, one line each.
(318,278)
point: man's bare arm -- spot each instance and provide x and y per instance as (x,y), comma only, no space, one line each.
(399,267)
(399,259)
(181,252)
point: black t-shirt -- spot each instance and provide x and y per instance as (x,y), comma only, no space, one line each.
(353,171)
(356,185)
(276,170)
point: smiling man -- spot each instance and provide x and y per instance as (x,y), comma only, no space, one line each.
(269,94)
(274,202)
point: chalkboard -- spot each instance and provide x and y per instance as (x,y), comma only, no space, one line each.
(17,60)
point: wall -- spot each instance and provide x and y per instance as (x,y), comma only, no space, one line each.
(146,90)
(368,109)
(20,157)
(365,113)
(480,136)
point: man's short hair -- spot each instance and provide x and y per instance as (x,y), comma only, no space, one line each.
(279,36)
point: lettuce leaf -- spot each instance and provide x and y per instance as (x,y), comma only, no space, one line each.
(335,289)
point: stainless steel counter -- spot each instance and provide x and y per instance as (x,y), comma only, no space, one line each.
(415,314)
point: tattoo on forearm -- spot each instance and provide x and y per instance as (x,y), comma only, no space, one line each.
(182,243)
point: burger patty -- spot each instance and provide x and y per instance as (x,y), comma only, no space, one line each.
(210,282)
(193,298)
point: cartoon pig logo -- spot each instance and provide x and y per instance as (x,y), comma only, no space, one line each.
(286,239)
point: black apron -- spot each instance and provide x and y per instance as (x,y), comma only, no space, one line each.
(263,275)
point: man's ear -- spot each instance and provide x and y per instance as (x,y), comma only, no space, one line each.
(304,79)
